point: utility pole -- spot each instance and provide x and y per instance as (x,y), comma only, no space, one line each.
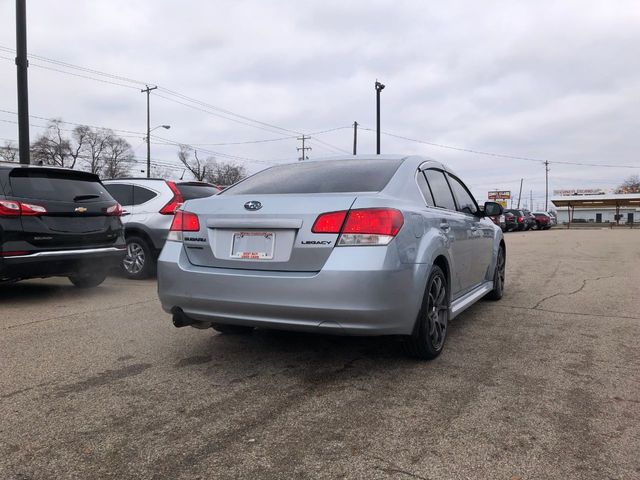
(303,149)
(520,194)
(530,199)
(546,186)
(148,91)
(23,86)
(355,137)
(379,87)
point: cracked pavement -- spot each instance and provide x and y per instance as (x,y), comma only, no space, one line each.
(544,384)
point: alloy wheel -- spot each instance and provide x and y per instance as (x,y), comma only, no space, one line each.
(134,259)
(500,270)
(437,311)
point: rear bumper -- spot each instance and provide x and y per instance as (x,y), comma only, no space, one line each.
(343,300)
(60,262)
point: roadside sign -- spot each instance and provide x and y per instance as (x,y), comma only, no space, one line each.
(499,195)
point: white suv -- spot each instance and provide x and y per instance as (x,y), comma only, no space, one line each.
(149,205)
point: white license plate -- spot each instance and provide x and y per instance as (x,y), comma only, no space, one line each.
(253,245)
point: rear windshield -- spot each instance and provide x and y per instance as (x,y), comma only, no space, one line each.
(334,176)
(57,186)
(189,191)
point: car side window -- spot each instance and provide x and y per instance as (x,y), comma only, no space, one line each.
(442,195)
(424,189)
(142,195)
(466,203)
(122,193)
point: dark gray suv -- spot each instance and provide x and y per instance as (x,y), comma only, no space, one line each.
(57,222)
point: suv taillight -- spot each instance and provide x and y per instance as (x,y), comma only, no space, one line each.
(113,210)
(365,226)
(183,222)
(11,208)
(175,202)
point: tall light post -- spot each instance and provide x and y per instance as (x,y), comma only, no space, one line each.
(149,130)
(23,89)
(379,88)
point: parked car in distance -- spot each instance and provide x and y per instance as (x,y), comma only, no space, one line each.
(519,219)
(364,245)
(500,222)
(553,217)
(148,207)
(510,221)
(57,222)
(543,220)
(529,219)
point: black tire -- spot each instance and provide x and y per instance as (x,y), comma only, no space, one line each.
(139,262)
(88,280)
(498,277)
(231,329)
(430,331)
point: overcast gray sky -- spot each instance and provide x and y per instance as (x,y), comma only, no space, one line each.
(556,80)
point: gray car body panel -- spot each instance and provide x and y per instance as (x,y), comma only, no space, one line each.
(359,290)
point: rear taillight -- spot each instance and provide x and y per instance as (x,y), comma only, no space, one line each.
(114,210)
(329,222)
(175,202)
(10,208)
(365,226)
(520,219)
(183,222)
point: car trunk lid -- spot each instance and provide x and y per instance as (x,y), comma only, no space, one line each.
(262,232)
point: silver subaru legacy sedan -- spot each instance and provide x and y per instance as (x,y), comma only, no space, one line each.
(359,245)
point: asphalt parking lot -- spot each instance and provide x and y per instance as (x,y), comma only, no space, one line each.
(543,384)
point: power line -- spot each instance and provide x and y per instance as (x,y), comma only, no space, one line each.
(501,155)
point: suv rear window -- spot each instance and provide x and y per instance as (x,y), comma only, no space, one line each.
(190,191)
(334,176)
(57,185)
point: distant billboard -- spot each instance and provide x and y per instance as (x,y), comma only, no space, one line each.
(499,195)
(568,192)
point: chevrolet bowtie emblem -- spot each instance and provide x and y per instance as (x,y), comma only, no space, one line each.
(80,209)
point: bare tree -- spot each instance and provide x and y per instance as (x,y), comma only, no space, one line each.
(9,152)
(630,185)
(198,168)
(53,148)
(117,157)
(94,145)
(225,173)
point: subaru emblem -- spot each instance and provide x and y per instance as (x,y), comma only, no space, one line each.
(253,205)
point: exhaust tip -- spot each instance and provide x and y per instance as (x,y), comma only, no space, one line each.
(180,319)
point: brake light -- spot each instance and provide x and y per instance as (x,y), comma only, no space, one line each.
(329,222)
(177,200)
(520,219)
(114,210)
(183,222)
(365,226)
(11,208)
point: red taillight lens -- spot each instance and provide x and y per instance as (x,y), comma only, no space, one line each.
(520,219)
(366,226)
(10,208)
(174,203)
(185,222)
(375,221)
(329,222)
(114,210)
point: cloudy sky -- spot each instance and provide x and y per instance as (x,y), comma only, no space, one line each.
(544,80)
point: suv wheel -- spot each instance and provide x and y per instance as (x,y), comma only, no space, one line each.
(138,263)
(430,331)
(88,280)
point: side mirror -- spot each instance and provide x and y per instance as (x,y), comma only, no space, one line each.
(492,209)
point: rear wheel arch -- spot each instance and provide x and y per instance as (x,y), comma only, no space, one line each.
(139,232)
(442,262)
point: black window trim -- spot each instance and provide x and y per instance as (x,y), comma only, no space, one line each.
(444,173)
(420,171)
(455,199)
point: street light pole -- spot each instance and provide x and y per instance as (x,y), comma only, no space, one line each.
(379,87)
(148,91)
(23,87)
